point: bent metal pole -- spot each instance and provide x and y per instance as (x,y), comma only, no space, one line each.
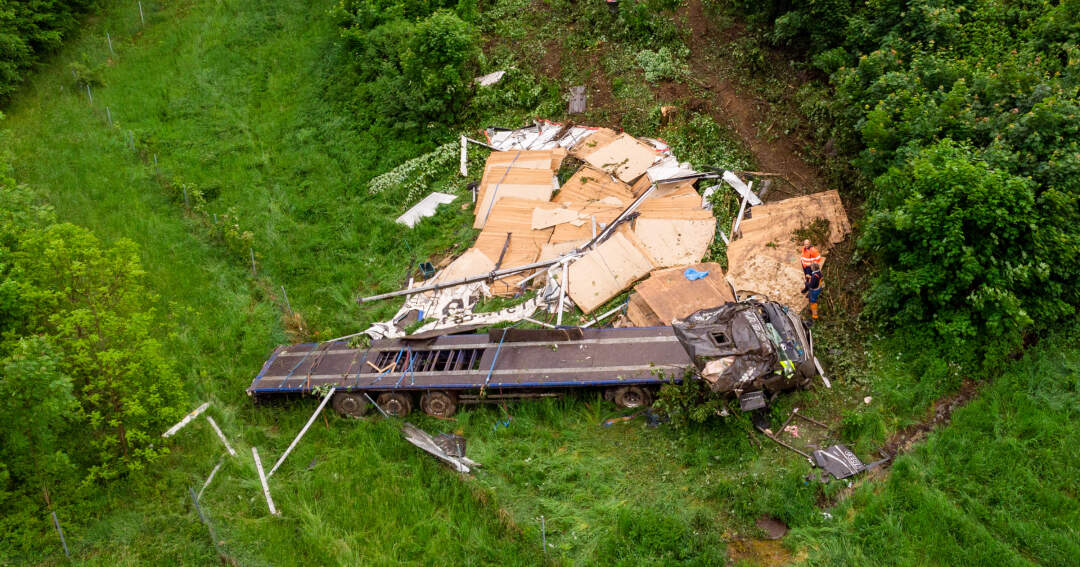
(498,274)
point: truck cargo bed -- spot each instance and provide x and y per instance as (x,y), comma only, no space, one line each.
(517,360)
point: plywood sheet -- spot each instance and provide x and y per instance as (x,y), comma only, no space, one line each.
(514,216)
(765,259)
(531,184)
(603,214)
(607,270)
(528,159)
(549,216)
(471,263)
(640,314)
(668,295)
(765,275)
(675,242)
(625,158)
(590,184)
(598,139)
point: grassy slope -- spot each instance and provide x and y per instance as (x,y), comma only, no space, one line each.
(996,487)
(227,96)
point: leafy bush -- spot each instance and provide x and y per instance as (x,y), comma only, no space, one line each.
(965,114)
(412,63)
(955,247)
(29,30)
(660,65)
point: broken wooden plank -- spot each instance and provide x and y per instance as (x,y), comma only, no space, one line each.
(577,100)
(187,419)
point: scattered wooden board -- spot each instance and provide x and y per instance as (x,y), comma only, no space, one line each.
(607,270)
(667,294)
(624,157)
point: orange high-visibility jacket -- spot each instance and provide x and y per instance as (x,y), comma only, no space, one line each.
(810,256)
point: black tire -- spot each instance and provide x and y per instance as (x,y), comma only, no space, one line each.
(397,404)
(629,397)
(350,404)
(438,404)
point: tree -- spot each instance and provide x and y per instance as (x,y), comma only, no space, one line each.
(954,242)
(92,301)
(36,402)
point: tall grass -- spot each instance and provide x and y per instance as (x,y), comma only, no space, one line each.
(996,487)
(219,108)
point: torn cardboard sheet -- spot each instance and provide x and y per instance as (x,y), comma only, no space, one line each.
(624,157)
(668,295)
(425,208)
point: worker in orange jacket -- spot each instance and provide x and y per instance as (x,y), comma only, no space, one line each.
(810,256)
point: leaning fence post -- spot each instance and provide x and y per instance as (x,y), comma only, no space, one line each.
(209,479)
(253,272)
(60,531)
(108,116)
(289,305)
(543,533)
(262,479)
(141,18)
(302,431)
(89,94)
(209,528)
(109,39)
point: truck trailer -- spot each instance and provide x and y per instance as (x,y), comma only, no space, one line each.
(762,341)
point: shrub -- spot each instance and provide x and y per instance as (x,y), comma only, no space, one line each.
(660,65)
(952,238)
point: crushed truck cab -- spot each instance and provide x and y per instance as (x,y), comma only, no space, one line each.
(749,346)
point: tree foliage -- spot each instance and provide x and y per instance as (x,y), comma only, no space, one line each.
(81,374)
(967,116)
(30,29)
(412,62)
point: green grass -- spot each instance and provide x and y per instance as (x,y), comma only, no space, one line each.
(230,97)
(226,99)
(995,487)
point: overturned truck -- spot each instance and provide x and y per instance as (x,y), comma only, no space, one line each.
(748,349)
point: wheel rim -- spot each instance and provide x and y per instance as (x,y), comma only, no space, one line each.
(632,398)
(396,405)
(437,404)
(350,405)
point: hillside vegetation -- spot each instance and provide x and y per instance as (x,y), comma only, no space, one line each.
(235,151)
(964,116)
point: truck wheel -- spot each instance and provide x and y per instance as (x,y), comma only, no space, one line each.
(438,404)
(350,404)
(631,397)
(397,404)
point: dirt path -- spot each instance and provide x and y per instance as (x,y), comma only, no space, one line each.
(742,110)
